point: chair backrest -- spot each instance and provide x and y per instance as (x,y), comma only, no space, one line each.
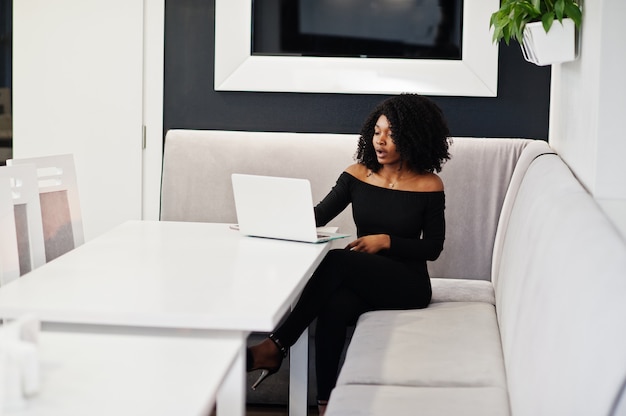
(60,203)
(26,227)
(9,257)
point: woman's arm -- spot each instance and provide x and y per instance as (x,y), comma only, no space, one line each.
(430,245)
(334,202)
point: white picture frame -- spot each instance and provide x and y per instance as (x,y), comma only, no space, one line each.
(476,74)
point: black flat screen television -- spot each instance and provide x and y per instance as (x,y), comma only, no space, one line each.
(413,29)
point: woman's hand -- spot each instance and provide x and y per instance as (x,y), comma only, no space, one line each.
(370,243)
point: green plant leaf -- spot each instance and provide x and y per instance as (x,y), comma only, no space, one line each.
(559,9)
(527,9)
(497,34)
(510,20)
(573,12)
(546,20)
(518,28)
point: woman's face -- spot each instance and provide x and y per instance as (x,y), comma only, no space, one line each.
(384,146)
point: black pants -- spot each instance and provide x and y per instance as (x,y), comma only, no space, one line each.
(345,285)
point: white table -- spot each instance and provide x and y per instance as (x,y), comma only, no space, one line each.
(111,374)
(172,277)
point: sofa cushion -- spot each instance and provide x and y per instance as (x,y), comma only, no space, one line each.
(476,179)
(462,290)
(560,291)
(454,344)
(360,400)
(197,168)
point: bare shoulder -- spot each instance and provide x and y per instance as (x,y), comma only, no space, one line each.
(357,170)
(428,182)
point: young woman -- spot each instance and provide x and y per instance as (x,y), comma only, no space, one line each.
(398,207)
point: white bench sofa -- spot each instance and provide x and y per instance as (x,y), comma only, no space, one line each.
(529,294)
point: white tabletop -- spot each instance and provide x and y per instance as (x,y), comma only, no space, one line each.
(175,278)
(105,374)
(168,275)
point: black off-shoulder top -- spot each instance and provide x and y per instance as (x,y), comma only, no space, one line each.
(414,221)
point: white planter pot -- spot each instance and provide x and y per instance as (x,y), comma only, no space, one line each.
(558,45)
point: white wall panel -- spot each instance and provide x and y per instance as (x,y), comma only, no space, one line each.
(77,88)
(153,53)
(588,105)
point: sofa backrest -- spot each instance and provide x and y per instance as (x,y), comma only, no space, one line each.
(197,168)
(476,179)
(560,296)
(197,186)
(529,154)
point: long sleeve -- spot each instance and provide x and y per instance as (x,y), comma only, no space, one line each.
(430,245)
(334,202)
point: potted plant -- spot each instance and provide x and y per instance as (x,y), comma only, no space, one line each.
(532,24)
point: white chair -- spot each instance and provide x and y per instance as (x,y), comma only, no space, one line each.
(9,257)
(24,229)
(60,204)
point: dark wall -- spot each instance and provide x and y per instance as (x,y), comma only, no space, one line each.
(521,108)
(6,23)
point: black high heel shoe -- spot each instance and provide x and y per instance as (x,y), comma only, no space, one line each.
(321,407)
(266,371)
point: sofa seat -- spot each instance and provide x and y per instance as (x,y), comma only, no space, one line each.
(450,344)
(444,359)
(422,401)
(462,290)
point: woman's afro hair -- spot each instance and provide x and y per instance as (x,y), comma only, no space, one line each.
(418,129)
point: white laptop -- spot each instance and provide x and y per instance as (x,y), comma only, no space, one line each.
(274,207)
